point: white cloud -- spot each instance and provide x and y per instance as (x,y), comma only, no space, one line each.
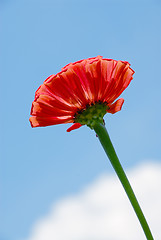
(102,210)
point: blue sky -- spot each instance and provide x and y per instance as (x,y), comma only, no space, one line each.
(41,166)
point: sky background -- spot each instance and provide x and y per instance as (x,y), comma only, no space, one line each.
(40,169)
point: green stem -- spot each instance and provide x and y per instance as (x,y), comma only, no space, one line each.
(110,151)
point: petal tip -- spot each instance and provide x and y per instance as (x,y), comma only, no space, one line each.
(74,126)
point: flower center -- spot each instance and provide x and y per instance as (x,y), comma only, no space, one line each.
(92,114)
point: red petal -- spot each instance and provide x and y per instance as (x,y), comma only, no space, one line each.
(120,79)
(74,126)
(107,67)
(116,106)
(93,72)
(48,95)
(47,121)
(41,109)
(80,71)
(77,91)
(50,106)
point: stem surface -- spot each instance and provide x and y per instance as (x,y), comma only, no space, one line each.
(110,151)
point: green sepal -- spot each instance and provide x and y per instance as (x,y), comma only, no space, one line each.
(92,114)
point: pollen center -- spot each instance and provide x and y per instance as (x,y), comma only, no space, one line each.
(91,114)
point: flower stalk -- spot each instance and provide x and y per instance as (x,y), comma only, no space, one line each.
(104,138)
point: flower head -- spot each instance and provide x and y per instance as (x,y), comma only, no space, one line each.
(81,93)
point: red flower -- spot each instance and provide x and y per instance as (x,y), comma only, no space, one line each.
(77,87)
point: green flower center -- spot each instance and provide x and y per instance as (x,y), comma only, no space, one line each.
(91,114)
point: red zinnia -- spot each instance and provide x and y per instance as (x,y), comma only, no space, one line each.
(77,87)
